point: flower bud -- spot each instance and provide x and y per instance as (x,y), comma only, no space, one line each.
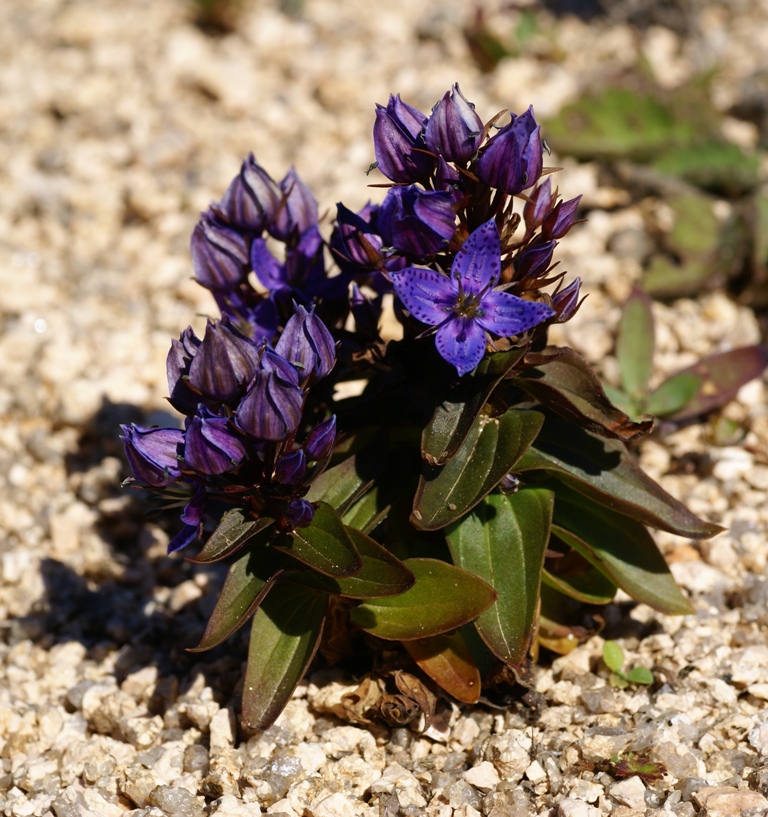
(291,469)
(561,219)
(454,131)
(512,160)
(211,444)
(153,453)
(307,344)
(193,517)
(297,211)
(297,513)
(177,364)
(320,440)
(538,205)
(252,198)
(566,303)
(355,241)
(271,410)
(219,254)
(534,260)
(398,140)
(417,223)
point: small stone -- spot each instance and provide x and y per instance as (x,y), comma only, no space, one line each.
(576,808)
(176,801)
(728,801)
(509,753)
(141,731)
(629,792)
(535,772)
(483,777)
(336,805)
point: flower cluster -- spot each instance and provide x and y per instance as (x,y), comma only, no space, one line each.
(243,404)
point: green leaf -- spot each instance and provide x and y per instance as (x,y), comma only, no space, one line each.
(640,675)
(248,581)
(613,656)
(324,545)
(365,514)
(235,529)
(382,573)
(622,401)
(341,485)
(454,417)
(635,344)
(721,376)
(443,598)
(563,381)
(605,471)
(491,449)
(503,541)
(574,576)
(619,547)
(673,394)
(284,638)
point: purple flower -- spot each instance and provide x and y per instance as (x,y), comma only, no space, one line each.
(252,198)
(297,212)
(534,260)
(291,468)
(566,302)
(512,160)
(464,306)
(355,241)
(454,131)
(561,219)
(211,445)
(193,517)
(416,222)
(320,440)
(154,454)
(538,205)
(398,140)
(219,254)
(297,513)
(307,343)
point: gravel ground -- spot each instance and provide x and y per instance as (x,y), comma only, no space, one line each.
(120,121)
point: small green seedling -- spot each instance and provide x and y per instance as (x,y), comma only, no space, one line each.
(689,393)
(632,765)
(613,656)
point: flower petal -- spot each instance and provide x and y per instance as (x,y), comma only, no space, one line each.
(478,262)
(505,314)
(426,294)
(461,341)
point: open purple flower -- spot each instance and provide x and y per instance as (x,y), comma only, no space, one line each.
(465,305)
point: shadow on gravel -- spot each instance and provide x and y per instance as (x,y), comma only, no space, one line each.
(678,15)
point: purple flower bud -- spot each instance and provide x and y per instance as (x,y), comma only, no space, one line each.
(252,198)
(538,205)
(417,223)
(297,211)
(561,219)
(177,364)
(297,513)
(271,410)
(447,178)
(355,241)
(154,453)
(219,254)
(193,517)
(291,469)
(211,444)
(307,344)
(398,140)
(454,130)
(534,260)
(224,363)
(566,303)
(512,160)
(320,440)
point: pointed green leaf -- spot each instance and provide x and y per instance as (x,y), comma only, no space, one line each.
(613,655)
(491,449)
(640,675)
(236,529)
(364,513)
(324,545)
(563,381)
(285,635)
(248,581)
(721,376)
(605,471)
(454,417)
(622,401)
(443,598)
(621,548)
(673,395)
(574,576)
(503,541)
(382,574)
(635,343)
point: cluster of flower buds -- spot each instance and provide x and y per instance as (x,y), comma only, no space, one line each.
(243,403)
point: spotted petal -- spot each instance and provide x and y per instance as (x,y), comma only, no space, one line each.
(461,341)
(426,294)
(478,263)
(505,314)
